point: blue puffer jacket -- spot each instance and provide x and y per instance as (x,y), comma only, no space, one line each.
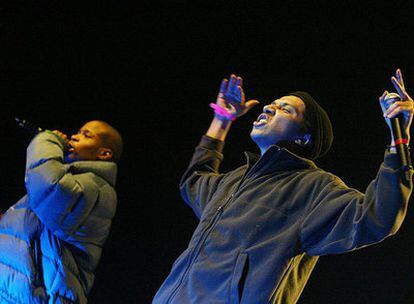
(52,239)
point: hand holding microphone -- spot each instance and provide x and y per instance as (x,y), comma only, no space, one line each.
(63,136)
(398,110)
(33,130)
(398,105)
(395,122)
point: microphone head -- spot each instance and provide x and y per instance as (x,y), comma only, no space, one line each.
(28,126)
(392,97)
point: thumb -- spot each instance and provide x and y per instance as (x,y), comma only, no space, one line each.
(250,104)
(381,100)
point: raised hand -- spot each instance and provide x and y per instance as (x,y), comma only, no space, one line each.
(231,96)
(404,107)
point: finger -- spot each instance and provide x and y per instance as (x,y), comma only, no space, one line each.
(400,89)
(394,111)
(232,82)
(239,82)
(399,77)
(382,97)
(251,103)
(382,102)
(389,102)
(393,106)
(240,93)
(233,88)
(223,85)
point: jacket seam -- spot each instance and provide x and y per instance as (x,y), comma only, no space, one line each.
(17,270)
(16,237)
(331,243)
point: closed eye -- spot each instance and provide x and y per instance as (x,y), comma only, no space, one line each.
(283,106)
(85,133)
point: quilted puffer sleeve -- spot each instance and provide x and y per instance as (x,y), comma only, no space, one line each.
(60,199)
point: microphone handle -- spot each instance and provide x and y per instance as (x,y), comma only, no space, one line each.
(34,130)
(28,126)
(400,137)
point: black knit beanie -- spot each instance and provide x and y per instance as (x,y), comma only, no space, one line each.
(319,126)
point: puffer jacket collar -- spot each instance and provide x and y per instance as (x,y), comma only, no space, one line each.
(104,169)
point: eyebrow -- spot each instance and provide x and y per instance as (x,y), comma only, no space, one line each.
(86,131)
(285,104)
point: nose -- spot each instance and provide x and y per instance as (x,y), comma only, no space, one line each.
(74,137)
(269,109)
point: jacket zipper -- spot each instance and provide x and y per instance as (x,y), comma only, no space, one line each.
(205,233)
(200,243)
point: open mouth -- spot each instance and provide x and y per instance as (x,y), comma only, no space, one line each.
(262,120)
(71,149)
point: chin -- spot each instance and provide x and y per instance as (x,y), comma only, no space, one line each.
(256,136)
(252,134)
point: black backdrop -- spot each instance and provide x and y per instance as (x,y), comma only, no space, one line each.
(151,70)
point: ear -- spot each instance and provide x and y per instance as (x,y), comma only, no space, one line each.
(105,154)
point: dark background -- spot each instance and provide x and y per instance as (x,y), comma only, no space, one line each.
(151,70)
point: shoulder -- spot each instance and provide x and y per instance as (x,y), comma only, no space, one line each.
(323,178)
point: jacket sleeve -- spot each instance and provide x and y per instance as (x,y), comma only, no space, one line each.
(61,200)
(201,179)
(343,219)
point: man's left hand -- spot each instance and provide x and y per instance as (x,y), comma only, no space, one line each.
(404,107)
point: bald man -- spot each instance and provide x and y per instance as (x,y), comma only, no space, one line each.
(51,240)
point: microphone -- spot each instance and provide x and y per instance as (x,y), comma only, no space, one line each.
(28,126)
(32,129)
(400,136)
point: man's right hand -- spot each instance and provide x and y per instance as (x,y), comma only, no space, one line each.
(63,136)
(231,96)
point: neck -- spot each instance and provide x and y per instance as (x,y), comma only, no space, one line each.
(292,147)
(263,149)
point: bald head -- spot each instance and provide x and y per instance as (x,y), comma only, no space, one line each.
(95,140)
(111,139)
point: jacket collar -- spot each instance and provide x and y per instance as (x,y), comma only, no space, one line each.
(104,169)
(278,159)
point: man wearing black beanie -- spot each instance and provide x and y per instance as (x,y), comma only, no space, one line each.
(263,225)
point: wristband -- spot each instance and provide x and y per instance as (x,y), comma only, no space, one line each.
(401,141)
(221,111)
